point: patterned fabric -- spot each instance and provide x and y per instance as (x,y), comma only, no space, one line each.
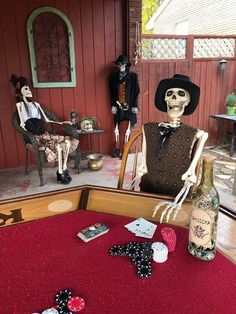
(49,142)
(167,158)
(122,93)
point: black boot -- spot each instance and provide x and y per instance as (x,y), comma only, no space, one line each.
(67,175)
(64,177)
(115,153)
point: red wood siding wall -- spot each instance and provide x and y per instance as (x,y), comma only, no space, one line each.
(99,35)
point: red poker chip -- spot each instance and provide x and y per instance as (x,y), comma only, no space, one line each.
(76,304)
(169,237)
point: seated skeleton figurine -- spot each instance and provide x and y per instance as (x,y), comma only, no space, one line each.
(31,117)
(169,155)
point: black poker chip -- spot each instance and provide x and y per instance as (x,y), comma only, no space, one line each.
(137,259)
(132,249)
(63,309)
(123,250)
(115,250)
(146,252)
(144,272)
(63,296)
(143,263)
(140,254)
(146,245)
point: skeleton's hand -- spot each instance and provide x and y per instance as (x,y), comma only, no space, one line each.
(134,109)
(67,122)
(113,110)
(175,206)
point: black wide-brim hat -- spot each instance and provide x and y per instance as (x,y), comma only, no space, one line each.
(122,60)
(177,81)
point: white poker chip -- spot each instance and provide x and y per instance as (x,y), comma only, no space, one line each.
(50,311)
(160,252)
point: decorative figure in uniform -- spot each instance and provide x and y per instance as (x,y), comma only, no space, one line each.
(124,90)
(170,155)
(32,117)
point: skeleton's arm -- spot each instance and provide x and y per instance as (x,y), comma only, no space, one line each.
(22,124)
(46,118)
(190,174)
(189,178)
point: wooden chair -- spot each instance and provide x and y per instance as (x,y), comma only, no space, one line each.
(135,144)
(30,143)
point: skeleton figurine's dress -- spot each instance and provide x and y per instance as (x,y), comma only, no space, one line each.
(167,147)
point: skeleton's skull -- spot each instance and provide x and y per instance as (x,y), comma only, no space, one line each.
(87,125)
(177,99)
(26,91)
(122,67)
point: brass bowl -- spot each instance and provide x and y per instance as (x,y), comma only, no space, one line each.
(95,162)
(94,156)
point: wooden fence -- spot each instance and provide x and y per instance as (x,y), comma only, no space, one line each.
(204,71)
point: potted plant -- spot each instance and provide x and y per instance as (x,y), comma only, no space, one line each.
(230,104)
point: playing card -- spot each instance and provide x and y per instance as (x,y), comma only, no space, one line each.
(142,228)
(132,225)
(147,233)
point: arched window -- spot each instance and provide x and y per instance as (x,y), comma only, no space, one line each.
(51,46)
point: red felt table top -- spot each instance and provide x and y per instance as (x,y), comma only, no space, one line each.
(40,258)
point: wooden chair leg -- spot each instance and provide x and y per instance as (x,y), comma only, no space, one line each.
(77,159)
(26,161)
(40,172)
(39,165)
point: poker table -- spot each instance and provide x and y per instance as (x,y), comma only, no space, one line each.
(42,255)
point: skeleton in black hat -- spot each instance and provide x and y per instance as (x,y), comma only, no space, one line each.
(31,117)
(124,90)
(170,155)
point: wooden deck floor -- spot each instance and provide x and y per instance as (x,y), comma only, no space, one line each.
(226,237)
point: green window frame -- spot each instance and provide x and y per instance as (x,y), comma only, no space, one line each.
(35,74)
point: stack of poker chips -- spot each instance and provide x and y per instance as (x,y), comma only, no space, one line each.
(140,254)
(160,252)
(169,238)
(66,304)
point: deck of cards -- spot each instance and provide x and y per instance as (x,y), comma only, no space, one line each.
(92,232)
(142,228)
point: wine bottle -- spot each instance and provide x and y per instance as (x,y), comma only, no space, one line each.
(204,215)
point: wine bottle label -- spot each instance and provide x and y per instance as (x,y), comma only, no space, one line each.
(200,229)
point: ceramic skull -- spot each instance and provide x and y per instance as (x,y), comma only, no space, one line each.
(87,125)
(176,99)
